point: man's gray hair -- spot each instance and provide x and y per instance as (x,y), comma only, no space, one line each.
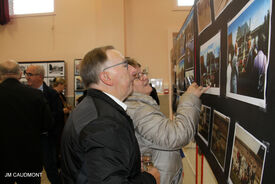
(91,65)
(39,69)
(9,67)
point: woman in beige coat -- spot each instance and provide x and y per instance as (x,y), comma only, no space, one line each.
(159,135)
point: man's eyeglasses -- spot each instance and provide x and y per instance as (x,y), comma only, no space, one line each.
(125,63)
(30,74)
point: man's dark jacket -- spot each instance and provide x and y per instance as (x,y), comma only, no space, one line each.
(24,116)
(99,144)
(55,104)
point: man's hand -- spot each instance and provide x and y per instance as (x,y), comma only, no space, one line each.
(196,90)
(155,172)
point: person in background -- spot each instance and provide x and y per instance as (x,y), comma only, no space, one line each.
(159,135)
(234,70)
(35,76)
(58,85)
(24,116)
(98,143)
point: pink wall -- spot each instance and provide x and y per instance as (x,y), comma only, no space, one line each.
(139,28)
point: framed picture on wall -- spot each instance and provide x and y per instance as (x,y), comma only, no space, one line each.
(219,6)
(24,81)
(248,47)
(210,56)
(203,14)
(77,94)
(76,66)
(204,123)
(56,69)
(189,41)
(79,86)
(219,139)
(180,75)
(248,158)
(23,68)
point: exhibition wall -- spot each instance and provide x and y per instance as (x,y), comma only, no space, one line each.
(232,53)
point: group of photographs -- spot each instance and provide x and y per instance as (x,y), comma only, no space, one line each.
(248,47)
(184,53)
(247,57)
(248,153)
(246,62)
(79,87)
(52,69)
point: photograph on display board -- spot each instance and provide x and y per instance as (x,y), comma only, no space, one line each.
(189,42)
(189,77)
(181,43)
(56,69)
(219,6)
(248,158)
(77,94)
(78,83)
(220,131)
(177,48)
(76,66)
(24,81)
(203,14)
(180,75)
(248,43)
(210,64)
(204,123)
(50,81)
(23,68)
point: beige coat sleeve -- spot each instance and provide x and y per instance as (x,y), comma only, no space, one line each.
(155,127)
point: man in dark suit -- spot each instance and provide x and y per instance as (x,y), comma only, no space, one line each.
(24,116)
(98,142)
(35,76)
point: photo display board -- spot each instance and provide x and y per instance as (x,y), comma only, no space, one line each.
(184,54)
(52,69)
(79,87)
(233,44)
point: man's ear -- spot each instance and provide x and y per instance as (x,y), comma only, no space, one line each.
(105,78)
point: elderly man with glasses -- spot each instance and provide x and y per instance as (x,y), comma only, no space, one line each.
(98,143)
(156,133)
(35,78)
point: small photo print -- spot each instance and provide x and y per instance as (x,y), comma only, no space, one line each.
(248,158)
(203,14)
(76,66)
(204,123)
(219,6)
(51,81)
(77,94)
(180,75)
(189,78)
(23,68)
(78,83)
(210,64)
(56,69)
(220,131)
(24,81)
